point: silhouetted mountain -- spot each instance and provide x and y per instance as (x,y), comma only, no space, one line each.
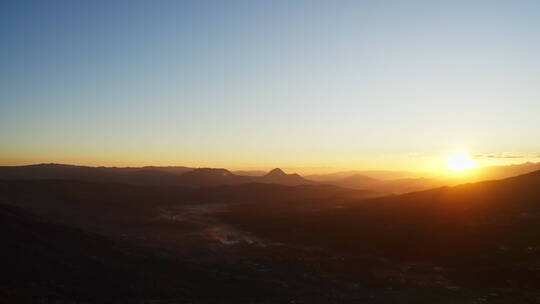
(205,177)
(170,169)
(277,176)
(164,176)
(276,172)
(376,174)
(410,184)
(401,181)
(356,181)
(249,172)
(139,176)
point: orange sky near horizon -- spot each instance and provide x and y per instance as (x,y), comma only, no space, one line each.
(434,164)
(313,85)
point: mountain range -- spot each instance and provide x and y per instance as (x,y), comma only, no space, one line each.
(380,181)
(167,176)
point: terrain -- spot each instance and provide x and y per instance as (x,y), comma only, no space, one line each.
(162,176)
(80,241)
(384,182)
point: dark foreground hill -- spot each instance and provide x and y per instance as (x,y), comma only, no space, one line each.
(42,262)
(146,210)
(49,263)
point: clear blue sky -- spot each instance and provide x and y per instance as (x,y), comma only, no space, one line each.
(264,83)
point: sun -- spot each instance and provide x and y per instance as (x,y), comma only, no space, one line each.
(460,162)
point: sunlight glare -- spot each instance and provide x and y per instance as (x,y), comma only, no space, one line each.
(460,162)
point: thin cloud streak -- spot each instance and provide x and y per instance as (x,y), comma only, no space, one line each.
(506,155)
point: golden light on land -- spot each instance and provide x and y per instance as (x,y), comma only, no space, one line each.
(460,162)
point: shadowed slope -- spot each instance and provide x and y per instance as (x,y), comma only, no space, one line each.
(449,223)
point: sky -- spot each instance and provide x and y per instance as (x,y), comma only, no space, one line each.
(253,84)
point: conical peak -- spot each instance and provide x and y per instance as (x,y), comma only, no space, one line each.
(276,172)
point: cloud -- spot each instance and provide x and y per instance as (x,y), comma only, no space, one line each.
(503,155)
(506,155)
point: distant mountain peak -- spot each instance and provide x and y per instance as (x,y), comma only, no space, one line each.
(276,172)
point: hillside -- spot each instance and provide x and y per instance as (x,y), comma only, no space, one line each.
(443,224)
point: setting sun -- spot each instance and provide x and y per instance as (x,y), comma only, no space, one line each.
(460,162)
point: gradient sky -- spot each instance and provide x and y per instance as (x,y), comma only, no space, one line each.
(360,84)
